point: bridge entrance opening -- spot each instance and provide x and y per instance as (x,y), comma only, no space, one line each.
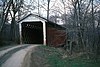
(32,32)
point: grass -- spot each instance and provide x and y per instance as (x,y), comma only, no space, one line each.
(79,62)
(53,57)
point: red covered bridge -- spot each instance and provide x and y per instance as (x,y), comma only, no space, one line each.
(34,29)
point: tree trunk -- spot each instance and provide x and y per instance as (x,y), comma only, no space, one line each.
(13,30)
(48,10)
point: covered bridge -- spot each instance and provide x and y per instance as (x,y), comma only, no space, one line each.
(34,29)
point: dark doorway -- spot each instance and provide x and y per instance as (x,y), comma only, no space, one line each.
(32,32)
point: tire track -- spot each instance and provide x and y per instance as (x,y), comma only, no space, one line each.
(10,53)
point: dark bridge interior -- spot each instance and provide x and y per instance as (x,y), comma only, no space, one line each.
(32,32)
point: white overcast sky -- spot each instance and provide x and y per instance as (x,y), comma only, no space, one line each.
(54,4)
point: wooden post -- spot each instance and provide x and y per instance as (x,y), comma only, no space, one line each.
(44,33)
(20,33)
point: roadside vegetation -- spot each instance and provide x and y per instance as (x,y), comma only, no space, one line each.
(45,56)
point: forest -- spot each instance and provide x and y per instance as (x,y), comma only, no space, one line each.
(81,18)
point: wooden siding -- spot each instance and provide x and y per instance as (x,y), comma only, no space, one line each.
(55,37)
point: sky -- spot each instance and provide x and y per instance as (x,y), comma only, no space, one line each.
(1,9)
(55,5)
(1,3)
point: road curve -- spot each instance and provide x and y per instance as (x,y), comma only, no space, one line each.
(4,60)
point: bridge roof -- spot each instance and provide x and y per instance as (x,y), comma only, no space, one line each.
(46,20)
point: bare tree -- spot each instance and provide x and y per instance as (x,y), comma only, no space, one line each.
(48,9)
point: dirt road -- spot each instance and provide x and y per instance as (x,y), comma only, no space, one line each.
(14,56)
